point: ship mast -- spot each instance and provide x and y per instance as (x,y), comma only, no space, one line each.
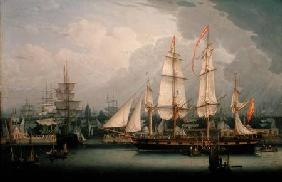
(149,106)
(68,97)
(65,102)
(207,102)
(206,87)
(235,101)
(172,100)
(174,105)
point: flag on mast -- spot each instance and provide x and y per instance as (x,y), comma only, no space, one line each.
(204,31)
(251,110)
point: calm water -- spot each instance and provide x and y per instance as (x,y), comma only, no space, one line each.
(103,160)
(129,158)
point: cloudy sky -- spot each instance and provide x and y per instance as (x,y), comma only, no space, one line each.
(111,45)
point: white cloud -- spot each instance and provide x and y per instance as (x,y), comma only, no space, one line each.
(109,48)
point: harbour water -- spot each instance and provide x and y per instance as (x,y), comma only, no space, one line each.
(105,160)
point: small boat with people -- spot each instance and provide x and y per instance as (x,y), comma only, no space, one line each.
(268,148)
(58,154)
(216,163)
(193,151)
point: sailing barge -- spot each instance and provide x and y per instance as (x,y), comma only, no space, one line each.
(172,105)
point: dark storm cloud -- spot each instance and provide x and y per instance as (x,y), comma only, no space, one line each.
(250,32)
(263,18)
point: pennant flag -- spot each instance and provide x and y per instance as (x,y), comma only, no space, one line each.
(204,31)
(251,110)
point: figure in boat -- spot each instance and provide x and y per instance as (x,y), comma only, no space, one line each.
(58,154)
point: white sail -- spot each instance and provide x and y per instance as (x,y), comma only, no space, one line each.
(64,105)
(48,107)
(172,76)
(165,98)
(65,87)
(148,97)
(180,97)
(235,104)
(64,96)
(240,129)
(134,123)
(207,102)
(120,118)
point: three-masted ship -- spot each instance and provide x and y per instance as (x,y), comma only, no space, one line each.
(67,109)
(172,106)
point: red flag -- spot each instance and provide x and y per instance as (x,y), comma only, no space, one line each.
(204,31)
(251,110)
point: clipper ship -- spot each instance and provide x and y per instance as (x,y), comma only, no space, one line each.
(172,105)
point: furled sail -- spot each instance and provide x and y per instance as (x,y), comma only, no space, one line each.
(207,102)
(134,123)
(240,128)
(63,87)
(65,105)
(171,85)
(120,118)
(236,106)
(48,108)
(64,96)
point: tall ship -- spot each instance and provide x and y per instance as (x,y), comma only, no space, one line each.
(172,106)
(67,109)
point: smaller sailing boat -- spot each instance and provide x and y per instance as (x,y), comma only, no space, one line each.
(58,154)
(32,158)
(120,120)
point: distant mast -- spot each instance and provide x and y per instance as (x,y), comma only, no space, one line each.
(149,106)
(65,104)
(172,99)
(120,118)
(207,102)
(236,106)
(48,105)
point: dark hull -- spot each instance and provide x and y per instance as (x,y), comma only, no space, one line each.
(182,145)
(72,140)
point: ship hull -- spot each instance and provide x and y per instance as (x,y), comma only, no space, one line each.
(182,145)
(72,140)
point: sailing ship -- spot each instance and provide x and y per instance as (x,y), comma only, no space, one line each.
(172,105)
(120,126)
(67,109)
